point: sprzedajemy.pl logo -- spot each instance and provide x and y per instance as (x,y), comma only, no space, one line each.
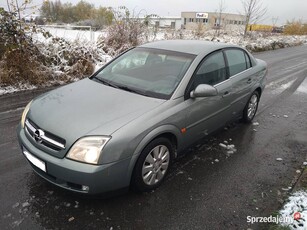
(274,219)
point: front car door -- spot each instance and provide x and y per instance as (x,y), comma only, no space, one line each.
(206,114)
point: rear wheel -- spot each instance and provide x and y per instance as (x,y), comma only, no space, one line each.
(152,165)
(251,107)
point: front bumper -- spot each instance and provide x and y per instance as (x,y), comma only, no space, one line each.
(76,176)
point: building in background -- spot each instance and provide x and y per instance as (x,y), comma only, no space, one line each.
(165,22)
(192,20)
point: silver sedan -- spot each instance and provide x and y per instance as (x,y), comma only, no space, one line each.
(123,126)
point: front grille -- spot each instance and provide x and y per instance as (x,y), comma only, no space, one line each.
(44,137)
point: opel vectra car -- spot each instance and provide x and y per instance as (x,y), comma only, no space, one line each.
(123,126)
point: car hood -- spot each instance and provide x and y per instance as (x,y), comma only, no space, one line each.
(81,108)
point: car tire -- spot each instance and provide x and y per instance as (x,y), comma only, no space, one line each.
(251,107)
(152,165)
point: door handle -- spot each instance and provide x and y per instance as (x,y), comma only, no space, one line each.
(249,81)
(226,94)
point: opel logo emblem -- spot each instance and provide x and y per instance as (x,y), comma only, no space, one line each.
(38,135)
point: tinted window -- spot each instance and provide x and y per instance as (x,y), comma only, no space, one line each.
(212,71)
(237,61)
(248,61)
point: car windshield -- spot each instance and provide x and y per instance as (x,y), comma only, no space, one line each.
(150,72)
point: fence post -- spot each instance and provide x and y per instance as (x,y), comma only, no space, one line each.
(91,34)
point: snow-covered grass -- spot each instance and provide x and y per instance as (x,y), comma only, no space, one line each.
(296,209)
(71,34)
(13,89)
(255,42)
(73,53)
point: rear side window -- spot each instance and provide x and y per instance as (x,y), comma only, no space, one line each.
(212,71)
(248,60)
(238,61)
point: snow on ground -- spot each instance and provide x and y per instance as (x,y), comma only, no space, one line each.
(70,34)
(256,42)
(85,41)
(303,87)
(13,89)
(230,148)
(296,209)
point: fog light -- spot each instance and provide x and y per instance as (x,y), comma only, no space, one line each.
(85,188)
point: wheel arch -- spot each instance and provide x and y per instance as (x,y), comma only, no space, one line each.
(245,117)
(170,136)
(259,90)
(170,132)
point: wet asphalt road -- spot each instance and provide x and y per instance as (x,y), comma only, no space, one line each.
(206,189)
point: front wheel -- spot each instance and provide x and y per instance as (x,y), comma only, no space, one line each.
(152,165)
(251,107)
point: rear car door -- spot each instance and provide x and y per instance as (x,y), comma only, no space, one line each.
(239,65)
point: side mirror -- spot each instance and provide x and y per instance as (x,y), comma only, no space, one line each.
(204,90)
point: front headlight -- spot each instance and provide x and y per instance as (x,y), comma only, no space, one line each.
(88,149)
(24,114)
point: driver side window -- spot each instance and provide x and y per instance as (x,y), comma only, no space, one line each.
(212,71)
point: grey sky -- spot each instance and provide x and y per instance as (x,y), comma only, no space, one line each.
(284,10)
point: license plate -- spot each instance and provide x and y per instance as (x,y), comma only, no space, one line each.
(35,161)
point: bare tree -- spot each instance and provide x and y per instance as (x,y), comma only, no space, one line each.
(220,11)
(253,11)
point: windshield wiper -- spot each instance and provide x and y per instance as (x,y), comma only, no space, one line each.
(108,83)
(132,90)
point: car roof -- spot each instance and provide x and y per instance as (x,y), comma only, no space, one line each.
(195,47)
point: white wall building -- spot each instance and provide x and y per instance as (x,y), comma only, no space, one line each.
(166,22)
(211,20)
